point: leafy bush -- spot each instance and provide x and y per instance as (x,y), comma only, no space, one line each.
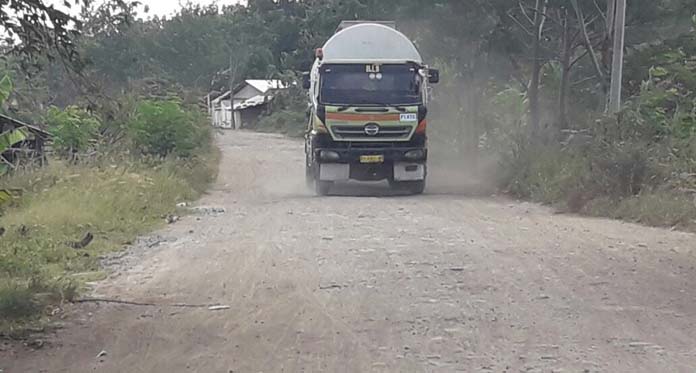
(288,114)
(663,98)
(161,128)
(73,129)
(287,122)
(508,133)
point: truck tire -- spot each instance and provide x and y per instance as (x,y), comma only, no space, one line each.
(416,187)
(412,187)
(322,188)
(309,176)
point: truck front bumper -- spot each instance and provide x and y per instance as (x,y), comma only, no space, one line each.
(340,161)
(355,155)
(396,163)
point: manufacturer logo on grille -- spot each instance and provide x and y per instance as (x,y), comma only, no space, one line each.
(372,129)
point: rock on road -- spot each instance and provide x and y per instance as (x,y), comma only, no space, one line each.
(443,282)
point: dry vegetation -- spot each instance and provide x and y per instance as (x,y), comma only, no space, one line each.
(96,195)
(41,262)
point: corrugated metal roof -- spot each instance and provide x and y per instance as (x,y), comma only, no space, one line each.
(252,102)
(221,97)
(265,85)
(17,123)
(261,85)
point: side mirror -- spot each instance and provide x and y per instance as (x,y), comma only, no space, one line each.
(306,81)
(433,76)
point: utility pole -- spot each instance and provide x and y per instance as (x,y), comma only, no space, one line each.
(618,59)
(539,22)
(233,76)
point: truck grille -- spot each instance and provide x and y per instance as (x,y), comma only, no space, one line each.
(358,133)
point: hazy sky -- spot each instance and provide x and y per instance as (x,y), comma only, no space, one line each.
(162,7)
(167,7)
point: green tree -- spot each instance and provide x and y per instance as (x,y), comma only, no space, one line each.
(37,27)
(74,130)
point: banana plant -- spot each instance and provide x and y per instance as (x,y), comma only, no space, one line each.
(5,196)
(13,136)
(5,88)
(9,139)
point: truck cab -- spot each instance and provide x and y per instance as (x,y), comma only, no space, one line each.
(368,94)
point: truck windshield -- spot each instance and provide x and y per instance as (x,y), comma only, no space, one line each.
(366,85)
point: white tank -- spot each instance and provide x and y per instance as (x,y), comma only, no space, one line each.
(370,43)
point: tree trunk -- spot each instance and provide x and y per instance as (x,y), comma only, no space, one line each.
(588,46)
(611,18)
(534,110)
(478,94)
(606,50)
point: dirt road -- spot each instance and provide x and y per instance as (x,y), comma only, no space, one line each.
(443,282)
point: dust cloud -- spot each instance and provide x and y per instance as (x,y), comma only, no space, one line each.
(451,174)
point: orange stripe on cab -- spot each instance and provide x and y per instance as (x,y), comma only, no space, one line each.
(349,117)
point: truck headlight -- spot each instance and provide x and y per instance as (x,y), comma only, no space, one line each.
(414,155)
(329,155)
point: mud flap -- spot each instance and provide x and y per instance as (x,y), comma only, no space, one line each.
(409,172)
(334,172)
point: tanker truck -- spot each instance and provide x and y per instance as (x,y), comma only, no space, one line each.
(368,96)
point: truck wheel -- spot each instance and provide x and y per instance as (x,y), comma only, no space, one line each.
(309,176)
(322,188)
(416,187)
(413,187)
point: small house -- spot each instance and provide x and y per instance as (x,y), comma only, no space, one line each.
(247,103)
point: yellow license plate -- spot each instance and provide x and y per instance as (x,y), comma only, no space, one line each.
(372,159)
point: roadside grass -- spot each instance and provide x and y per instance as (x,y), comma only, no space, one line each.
(659,209)
(61,203)
(614,183)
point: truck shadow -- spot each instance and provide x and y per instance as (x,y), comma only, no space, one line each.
(382,190)
(376,189)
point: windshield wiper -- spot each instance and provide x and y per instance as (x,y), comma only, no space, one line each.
(343,107)
(403,110)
